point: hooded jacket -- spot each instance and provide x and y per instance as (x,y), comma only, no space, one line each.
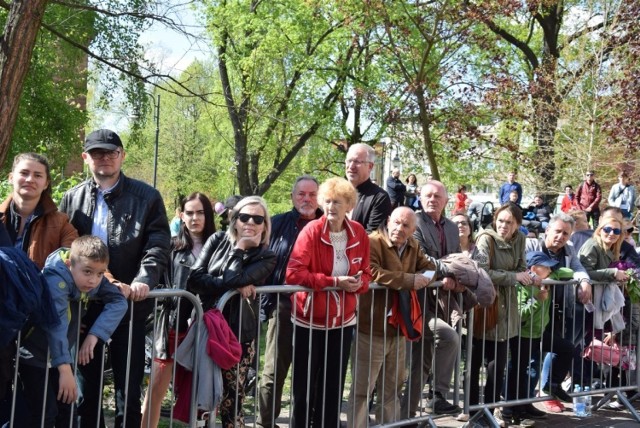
(70,304)
(311,265)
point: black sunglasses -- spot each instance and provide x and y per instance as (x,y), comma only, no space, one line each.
(608,230)
(257,219)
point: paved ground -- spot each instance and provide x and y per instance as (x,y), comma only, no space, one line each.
(601,418)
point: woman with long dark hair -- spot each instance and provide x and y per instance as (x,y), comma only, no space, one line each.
(196,226)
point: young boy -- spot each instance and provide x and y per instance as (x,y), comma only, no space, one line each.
(75,277)
(534,306)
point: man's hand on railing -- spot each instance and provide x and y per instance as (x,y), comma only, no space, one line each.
(584,292)
(139,291)
(420,281)
(248,291)
(449,284)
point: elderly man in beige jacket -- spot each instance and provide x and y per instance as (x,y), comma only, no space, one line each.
(398,263)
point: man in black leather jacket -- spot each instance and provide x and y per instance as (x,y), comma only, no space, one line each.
(129,216)
(284,232)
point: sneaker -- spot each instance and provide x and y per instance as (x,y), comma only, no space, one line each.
(500,418)
(529,411)
(553,406)
(556,391)
(441,406)
(614,405)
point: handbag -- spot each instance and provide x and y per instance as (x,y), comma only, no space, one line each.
(611,355)
(486,318)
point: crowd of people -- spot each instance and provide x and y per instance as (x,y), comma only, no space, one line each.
(110,242)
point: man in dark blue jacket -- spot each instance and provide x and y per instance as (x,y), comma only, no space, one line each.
(277,307)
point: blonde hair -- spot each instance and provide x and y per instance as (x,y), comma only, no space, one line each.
(616,246)
(233,218)
(89,247)
(338,187)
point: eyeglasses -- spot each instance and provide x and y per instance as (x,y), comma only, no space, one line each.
(630,230)
(356,162)
(589,174)
(608,230)
(462,223)
(257,219)
(101,154)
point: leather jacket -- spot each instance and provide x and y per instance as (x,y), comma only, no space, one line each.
(222,267)
(138,231)
(171,317)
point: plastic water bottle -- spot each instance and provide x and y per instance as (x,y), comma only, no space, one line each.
(587,400)
(579,405)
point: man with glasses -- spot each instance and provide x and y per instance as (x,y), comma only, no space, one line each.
(373,206)
(588,197)
(129,216)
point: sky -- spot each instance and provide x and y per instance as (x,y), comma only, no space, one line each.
(172,51)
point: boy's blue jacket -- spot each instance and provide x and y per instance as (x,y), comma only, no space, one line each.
(70,305)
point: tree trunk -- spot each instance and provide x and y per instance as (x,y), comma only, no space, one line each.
(425,124)
(16,47)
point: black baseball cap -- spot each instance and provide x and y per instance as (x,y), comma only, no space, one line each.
(102,139)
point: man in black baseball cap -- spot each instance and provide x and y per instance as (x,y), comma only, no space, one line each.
(102,139)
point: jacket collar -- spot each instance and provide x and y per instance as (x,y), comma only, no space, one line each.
(115,191)
(351,234)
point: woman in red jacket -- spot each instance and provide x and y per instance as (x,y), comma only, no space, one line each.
(331,257)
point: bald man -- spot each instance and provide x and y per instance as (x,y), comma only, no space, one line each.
(396,188)
(397,262)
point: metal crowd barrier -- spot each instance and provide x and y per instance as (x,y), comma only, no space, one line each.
(13,411)
(396,410)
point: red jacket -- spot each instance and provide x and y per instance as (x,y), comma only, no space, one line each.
(311,265)
(568,204)
(588,196)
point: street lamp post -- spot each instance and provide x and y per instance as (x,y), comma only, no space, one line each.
(156,117)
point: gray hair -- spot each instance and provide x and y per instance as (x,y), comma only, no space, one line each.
(233,218)
(304,177)
(371,153)
(563,217)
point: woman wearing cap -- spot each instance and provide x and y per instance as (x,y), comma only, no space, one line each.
(331,252)
(196,226)
(29,213)
(238,259)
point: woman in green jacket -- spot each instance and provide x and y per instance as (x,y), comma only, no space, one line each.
(500,251)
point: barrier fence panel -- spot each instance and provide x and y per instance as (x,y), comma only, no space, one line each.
(326,367)
(29,385)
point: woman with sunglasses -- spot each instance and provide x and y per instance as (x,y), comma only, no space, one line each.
(465,233)
(238,259)
(330,256)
